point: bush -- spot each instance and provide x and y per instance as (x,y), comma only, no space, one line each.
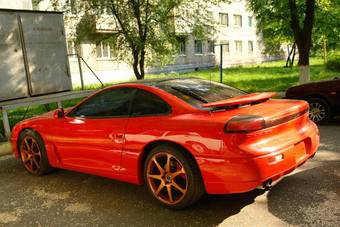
(333,63)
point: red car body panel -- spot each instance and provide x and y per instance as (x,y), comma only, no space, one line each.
(228,162)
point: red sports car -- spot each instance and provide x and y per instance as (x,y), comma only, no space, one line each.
(180,137)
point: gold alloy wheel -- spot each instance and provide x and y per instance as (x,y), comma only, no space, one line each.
(30,154)
(167,178)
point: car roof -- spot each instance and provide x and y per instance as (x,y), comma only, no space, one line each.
(156,81)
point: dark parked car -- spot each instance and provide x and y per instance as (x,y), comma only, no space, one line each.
(323,98)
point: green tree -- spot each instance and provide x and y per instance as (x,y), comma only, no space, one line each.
(143,31)
(299,21)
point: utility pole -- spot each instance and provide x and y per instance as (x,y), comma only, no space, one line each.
(221,63)
(221,60)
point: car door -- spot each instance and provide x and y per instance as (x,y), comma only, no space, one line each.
(90,138)
(148,121)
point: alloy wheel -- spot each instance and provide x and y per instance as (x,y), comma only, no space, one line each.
(317,112)
(167,178)
(30,154)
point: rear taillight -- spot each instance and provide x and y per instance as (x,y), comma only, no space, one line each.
(249,123)
(245,123)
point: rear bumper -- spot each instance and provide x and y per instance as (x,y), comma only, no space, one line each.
(243,175)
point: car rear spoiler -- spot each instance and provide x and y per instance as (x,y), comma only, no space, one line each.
(242,100)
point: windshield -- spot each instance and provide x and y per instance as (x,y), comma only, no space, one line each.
(197,91)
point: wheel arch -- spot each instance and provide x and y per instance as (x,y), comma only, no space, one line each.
(21,132)
(148,148)
(317,95)
(324,98)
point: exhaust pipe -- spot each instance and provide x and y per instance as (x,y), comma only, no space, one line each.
(267,185)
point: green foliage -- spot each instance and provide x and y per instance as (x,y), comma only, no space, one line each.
(327,24)
(333,63)
(273,19)
(143,32)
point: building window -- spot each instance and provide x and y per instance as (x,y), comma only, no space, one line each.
(198,47)
(250,47)
(250,21)
(224,19)
(182,45)
(211,47)
(72,49)
(238,20)
(104,50)
(238,46)
(226,48)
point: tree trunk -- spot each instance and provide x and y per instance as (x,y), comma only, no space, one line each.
(135,65)
(304,74)
(141,64)
(304,65)
(303,36)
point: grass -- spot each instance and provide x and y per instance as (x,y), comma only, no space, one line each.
(270,76)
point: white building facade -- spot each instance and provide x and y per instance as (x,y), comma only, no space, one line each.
(16,4)
(235,29)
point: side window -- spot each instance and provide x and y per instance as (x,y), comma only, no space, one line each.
(109,103)
(146,103)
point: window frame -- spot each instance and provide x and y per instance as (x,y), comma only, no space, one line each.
(222,16)
(226,47)
(133,91)
(182,47)
(211,47)
(237,51)
(250,21)
(238,25)
(201,48)
(109,50)
(195,102)
(250,44)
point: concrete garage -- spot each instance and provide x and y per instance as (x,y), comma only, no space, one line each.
(310,196)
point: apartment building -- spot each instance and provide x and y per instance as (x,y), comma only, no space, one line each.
(235,29)
(16,4)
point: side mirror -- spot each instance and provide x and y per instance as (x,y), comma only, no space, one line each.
(59,113)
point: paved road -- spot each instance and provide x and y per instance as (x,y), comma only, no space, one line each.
(309,196)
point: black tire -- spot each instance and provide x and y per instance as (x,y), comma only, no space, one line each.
(193,181)
(30,140)
(319,111)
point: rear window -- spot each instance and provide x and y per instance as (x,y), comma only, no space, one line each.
(197,91)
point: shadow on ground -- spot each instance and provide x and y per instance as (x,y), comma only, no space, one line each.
(312,195)
(67,198)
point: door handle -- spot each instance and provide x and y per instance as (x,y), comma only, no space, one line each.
(117,138)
